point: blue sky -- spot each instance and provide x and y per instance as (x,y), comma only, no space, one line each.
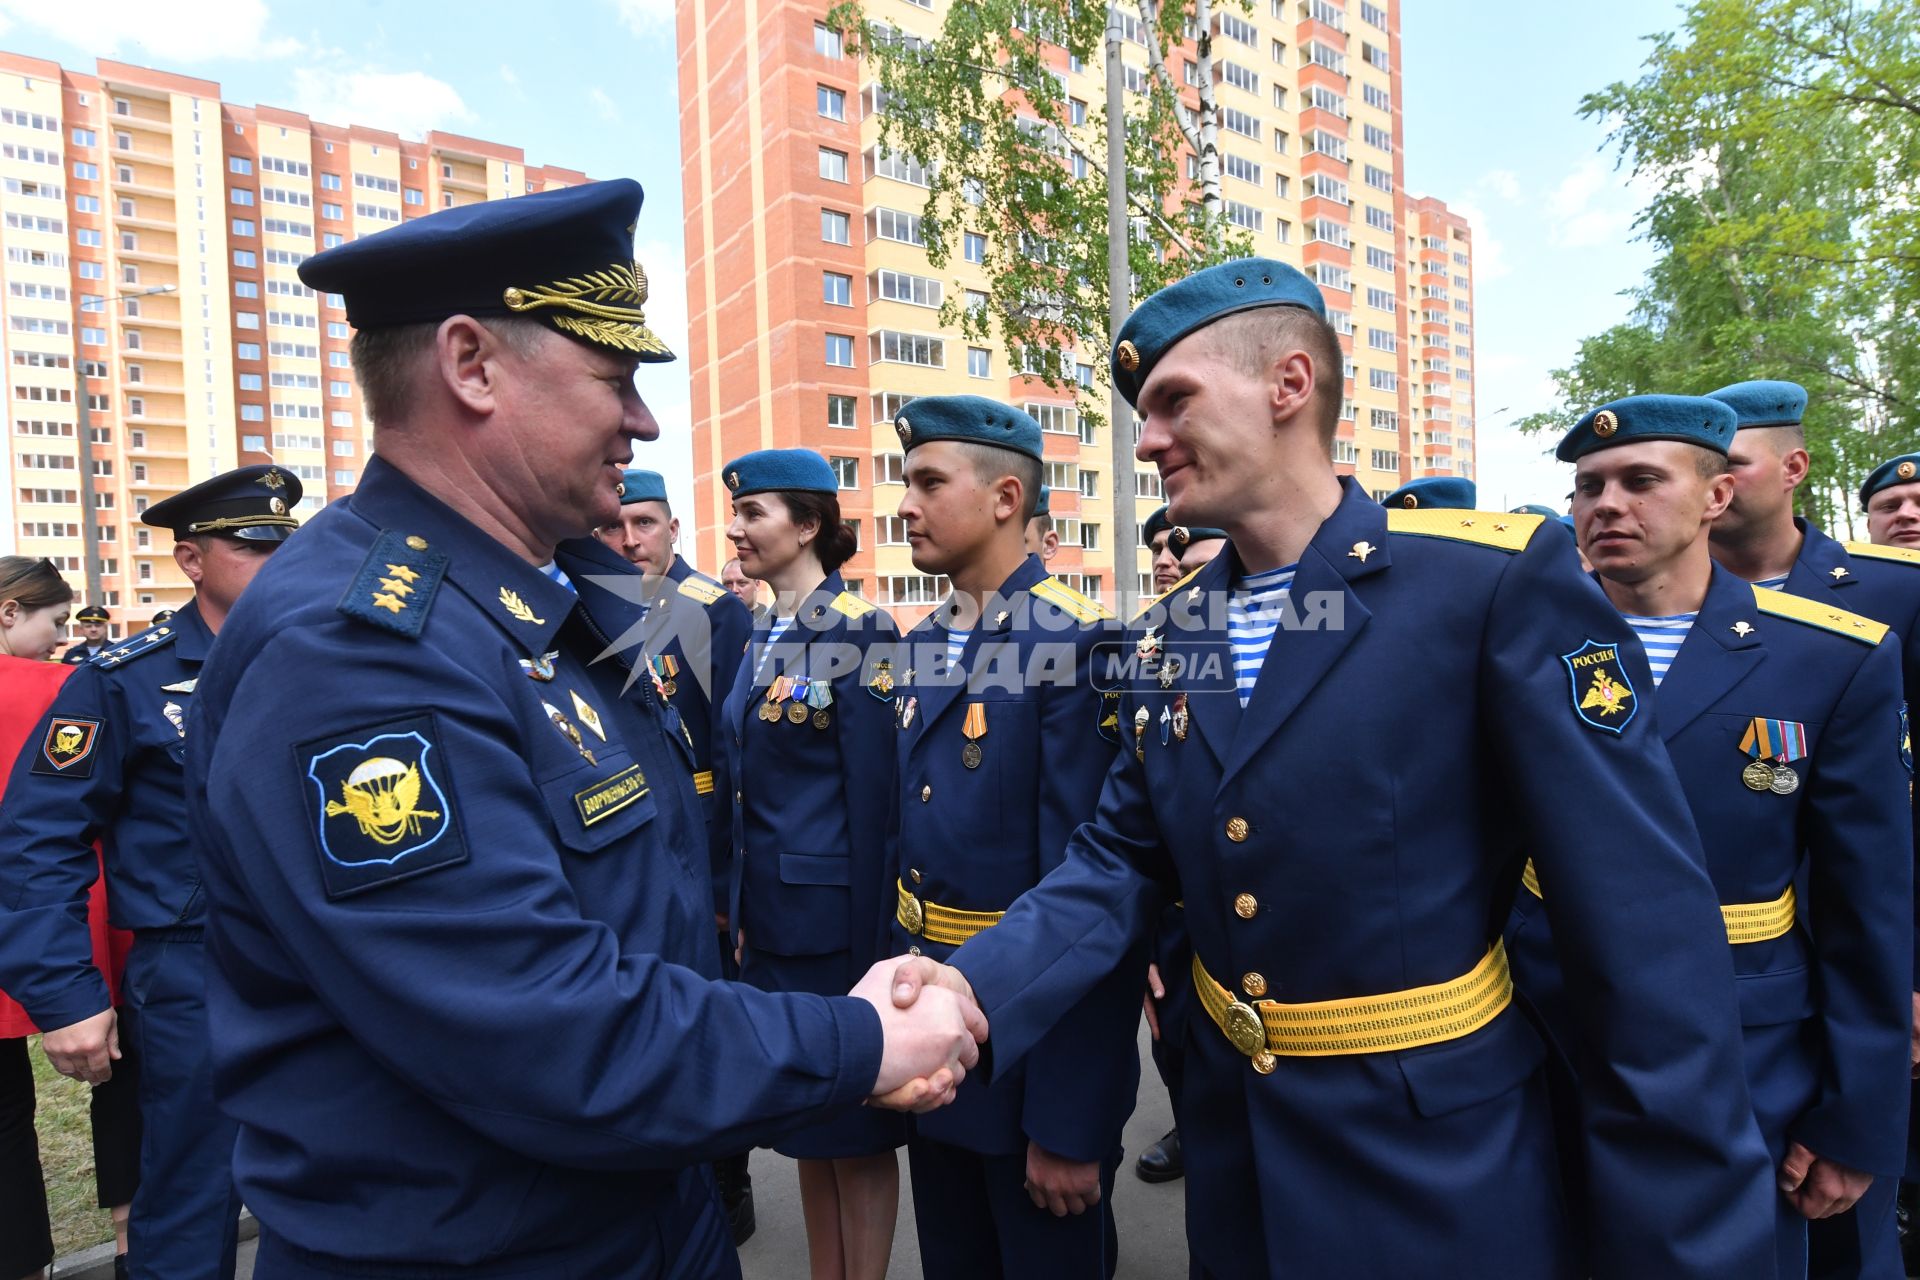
(1491,91)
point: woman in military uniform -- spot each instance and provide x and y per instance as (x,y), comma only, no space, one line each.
(811,724)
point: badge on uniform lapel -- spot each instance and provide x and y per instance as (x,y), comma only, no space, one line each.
(514,605)
(175,717)
(540,668)
(571,734)
(67,748)
(587,715)
(1602,692)
(379,807)
(1141,719)
(1109,722)
(908,705)
(880,683)
(1166,725)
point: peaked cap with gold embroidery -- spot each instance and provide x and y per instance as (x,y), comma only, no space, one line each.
(562,257)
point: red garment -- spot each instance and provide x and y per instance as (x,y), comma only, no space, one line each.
(26,691)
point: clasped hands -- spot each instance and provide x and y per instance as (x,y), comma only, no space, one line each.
(932,1028)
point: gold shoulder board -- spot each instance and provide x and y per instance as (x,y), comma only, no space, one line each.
(1823,616)
(1070,602)
(1498,529)
(1871,551)
(851,605)
(706,592)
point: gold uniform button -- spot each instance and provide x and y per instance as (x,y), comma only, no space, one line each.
(914,874)
(913,951)
(1245,905)
(1255,984)
(926,794)
(1264,1063)
(1237,829)
(417,543)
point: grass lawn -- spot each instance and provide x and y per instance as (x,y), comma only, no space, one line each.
(66,1155)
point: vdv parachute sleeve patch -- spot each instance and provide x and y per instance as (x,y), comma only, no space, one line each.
(381,804)
(67,750)
(1602,692)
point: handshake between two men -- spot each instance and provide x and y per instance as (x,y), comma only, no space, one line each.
(932,1029)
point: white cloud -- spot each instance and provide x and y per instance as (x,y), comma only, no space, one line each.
(1591,207)
(609,109)
(1503,183)
(409,103)
(158,31)
(648,19)
(508,75)
(1489,254)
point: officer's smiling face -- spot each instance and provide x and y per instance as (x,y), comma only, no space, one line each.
(1893,516)
(1638,507)
(765,536)
(571,414)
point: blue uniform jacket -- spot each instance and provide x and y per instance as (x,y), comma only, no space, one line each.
(703,629)
(1845,832)
(1402,748)
(462,997)
(976,839)
(105,762)
(82,652)
(810,804)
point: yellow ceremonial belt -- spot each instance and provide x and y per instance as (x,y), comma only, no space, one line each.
(703,782)
(1746,921)
(1368,1024)
(936,923)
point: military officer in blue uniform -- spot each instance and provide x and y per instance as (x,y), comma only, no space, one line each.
(696,632)
(1782,719)
(464,996)
(810,743)
(1891,496)
(1758,538)
(1002,744)
(93,642)
(1361,1098)
(1155,533)
(1041,538)
(1433,493)
(107,764)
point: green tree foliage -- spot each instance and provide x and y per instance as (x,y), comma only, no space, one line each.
(1007,155)
(1781,142)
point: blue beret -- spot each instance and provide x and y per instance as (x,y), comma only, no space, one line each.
(1904,469)
(563,257)
(1765,403)
(973,419)
(1246,284)
(1536,509)
(1438,492)
(1567,520)
(250,503)
(1185,535)
(642,486)
(1156,523)
(1044,506)
(776,469)
(1693,419)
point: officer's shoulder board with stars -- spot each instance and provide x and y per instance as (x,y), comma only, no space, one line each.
(1070,602)
(1893,555)
(1503,531)
(851,605)
(396,584)
(701,590)
(1824,616)
(135,646)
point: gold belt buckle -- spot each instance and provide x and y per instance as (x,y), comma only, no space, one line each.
(1244,1028)
(912,916)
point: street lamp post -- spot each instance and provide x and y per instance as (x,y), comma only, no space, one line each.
(89,518)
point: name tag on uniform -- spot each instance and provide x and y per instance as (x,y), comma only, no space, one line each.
(604,799)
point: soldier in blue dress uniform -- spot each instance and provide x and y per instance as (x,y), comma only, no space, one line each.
(1758,538)
(1155,533)
(93,641)
(1891,496)
(696,632)
(1782,719)
(465,998)
(1360,1096)
(810,737)
(1003,741)
(107,764)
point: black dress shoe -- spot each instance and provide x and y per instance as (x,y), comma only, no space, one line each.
(1162,1162)
(119,1266)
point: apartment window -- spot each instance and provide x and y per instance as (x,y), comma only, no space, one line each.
(833,165)
(840,350)
(344,449)
(1380,219)
(979,362)
(1384,420)
(975,248)
(1242,168)
(1373,15)
(85,138)
(237,164)
(893,224)
(1277,49)
(830,102)
(846,472)
(1386,459)
(247,350)
(414,197)
(1379,179)
(1380,259)
(1243,215)
(836,289)
(331,181)
(835,227)
(1239,122)
(245,258)
(1346,451)
(891,530)
(1076,112)
(242,227)
(892,347)
(1329,276)
(840,410)
(340,389)
(1380,299)
(1375,56)
(1238,76)
(827,42)
(1376,97)
(1319,186)
(1383,380)
(890,468)
(122,141)
(1374,136)
(898,286)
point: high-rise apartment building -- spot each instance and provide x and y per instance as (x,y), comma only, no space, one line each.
(151,237)
(813,309)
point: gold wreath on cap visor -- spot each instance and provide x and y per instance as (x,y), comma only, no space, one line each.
(1127,356)
(1605,423)
(604,307)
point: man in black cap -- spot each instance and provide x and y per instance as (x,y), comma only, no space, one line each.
(106,764)
(464,972)
(92,620)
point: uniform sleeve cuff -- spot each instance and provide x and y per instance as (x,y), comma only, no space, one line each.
(857,1024)
(77,1005)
